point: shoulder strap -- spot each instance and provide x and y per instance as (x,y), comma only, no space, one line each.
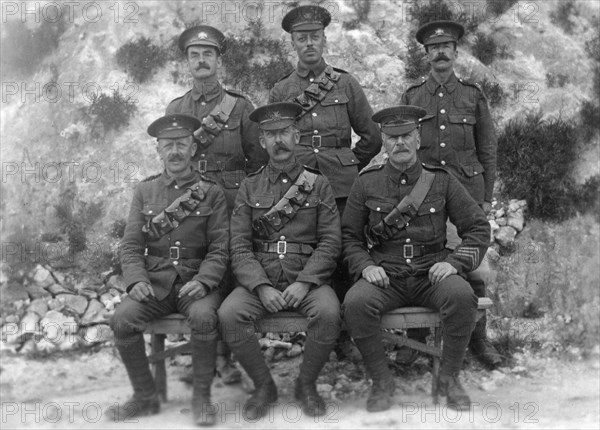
(286,209)
(176,212)
(213,123)
(317,90)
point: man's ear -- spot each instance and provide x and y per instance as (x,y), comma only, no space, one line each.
(261,140)
(194,147)
(219,61)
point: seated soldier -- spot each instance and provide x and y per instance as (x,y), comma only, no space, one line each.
(285,239)
(174,254)
(394,235)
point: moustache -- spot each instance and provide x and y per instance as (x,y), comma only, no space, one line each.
(175,158)
(203,66)
(441,57)
(280,147)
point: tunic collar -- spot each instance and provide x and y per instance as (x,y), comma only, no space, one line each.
(410,175)
(291,171)
(304,71)
(206,90)
(188,179)
(449,85)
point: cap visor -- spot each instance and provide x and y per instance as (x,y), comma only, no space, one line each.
(307,26)
(398,130)
(439,39)
(276,125)
(173,134)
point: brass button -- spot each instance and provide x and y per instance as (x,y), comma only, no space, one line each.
(281,237)
(336,100)
(284,180)
(441,94)
(378,208)
(311,79)
(177,243)
(176,187)
(316,151)
(197,212)
(403,181)
(432,210)
(442,127)
(464,119)
(175,263)
(408,260)
(314,114)
(316,132)
(150,211)
(258,204)
(281,256)
(306,204)
(202,155)
(443,145)
(443,163)
(203,103)
(408,240)
(442,110)
(237,184)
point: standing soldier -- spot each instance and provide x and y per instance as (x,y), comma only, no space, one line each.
(285,238)
(227,141)
(394,235)
(174,255)
(458,134)
(333,104)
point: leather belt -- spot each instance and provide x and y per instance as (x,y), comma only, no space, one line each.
(326,141)
(283,247)
(177,252)
(408,250)
(219,166)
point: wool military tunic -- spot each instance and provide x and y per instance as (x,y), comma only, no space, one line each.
(206,228)
(316,225)
(343,109)
(235,151)
(378,190)
(457,132)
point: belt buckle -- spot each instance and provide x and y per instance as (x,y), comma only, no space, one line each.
(202,166)
(281,247)
(410,253)
(314,140)
(174,253)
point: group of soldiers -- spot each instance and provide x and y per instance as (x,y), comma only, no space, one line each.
(263,210)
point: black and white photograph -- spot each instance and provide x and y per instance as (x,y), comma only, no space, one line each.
(300,214)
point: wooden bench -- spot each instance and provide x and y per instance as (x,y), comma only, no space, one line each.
(286,322)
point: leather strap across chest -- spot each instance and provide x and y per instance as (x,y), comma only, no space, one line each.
(213,123)
(317,90)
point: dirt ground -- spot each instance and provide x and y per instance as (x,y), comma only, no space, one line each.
(75,391)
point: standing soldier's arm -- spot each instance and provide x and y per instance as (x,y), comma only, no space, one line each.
(321,264)
(213,266)
(354,220)
(133,244)
(246,268)
(471,224)
(253,152)
(485,145)
(360,113)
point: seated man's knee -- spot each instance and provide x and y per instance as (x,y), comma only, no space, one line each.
(123,323)
(459,292)
(358,300)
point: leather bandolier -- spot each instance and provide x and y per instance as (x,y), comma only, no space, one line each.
(176,212)
(213,123)
(287,208)
(402,213)
(317,90)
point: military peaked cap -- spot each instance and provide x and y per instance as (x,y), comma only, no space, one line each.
(203,35)
(399,120)
(439,32)
(173,126)
(276,116)
(306,18)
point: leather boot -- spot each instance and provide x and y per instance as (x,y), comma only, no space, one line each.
(145,399)
(381,396)
(376,363)
(204,355)
(251,359)
(315,357)
(456,396)
(481,347)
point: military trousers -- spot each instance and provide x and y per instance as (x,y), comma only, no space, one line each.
(242,308)
(453,297)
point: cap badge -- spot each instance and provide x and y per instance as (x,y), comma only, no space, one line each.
(202,35)
(274,115)
(439,32)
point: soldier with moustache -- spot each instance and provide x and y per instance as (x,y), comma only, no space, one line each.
(394,237)
(456,133)
(285,240)
(174,254)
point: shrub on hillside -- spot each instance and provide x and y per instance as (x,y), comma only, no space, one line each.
(563,14)
(590,115)
(140,58)
(416,60)
(439,10)
(498,7)
(23,49)
(362,9)
(493,92)
(556,80)
(111,112)
(486,50)
(535,162)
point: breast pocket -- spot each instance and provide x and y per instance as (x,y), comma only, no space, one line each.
(378,209)
(260,205)
(463,130)
(432,218)
(150,210)
(229,141)
(336,115)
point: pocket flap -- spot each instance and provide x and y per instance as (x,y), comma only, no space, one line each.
(264,202)
(232,178)
(311,202)
(379,206)
(347,158)
(202,211)
(152,209)
(334,99)
(432,207)
(472,170)
(462,119)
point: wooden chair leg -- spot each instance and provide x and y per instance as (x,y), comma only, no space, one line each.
(435,377)
(160,371)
